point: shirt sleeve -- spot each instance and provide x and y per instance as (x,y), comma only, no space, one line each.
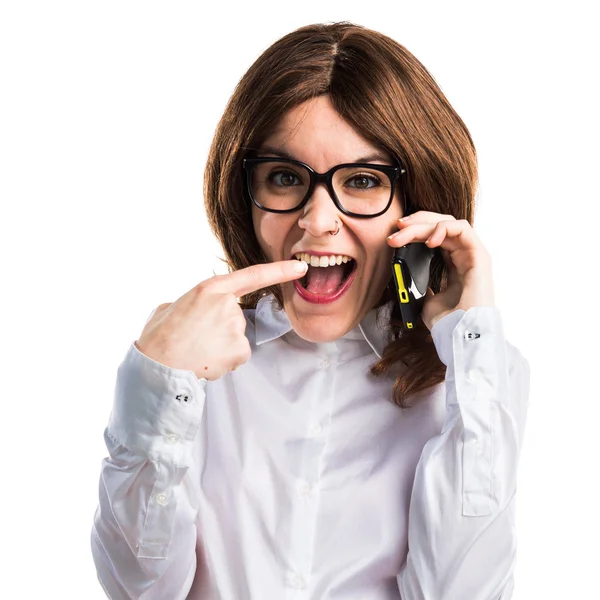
(144,535)
(461,526)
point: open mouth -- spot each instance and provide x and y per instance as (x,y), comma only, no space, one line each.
(325,281)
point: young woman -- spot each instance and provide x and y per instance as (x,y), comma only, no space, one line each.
(276,432)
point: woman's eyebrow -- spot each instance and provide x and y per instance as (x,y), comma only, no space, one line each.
(276,152)
(377,156)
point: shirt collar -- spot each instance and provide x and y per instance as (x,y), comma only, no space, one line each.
(271,324)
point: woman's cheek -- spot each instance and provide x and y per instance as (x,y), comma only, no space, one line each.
(265,230)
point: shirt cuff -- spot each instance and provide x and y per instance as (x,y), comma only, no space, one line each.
(157,409)
(460,327)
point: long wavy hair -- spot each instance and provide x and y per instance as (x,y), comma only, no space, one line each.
(390,99)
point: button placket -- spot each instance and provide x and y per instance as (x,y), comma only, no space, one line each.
(478,357)
(305,490)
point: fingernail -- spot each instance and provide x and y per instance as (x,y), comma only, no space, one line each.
(301,266)
(393,235)
(404,218)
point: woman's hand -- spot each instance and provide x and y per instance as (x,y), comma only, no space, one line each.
(204,331)
(470,281)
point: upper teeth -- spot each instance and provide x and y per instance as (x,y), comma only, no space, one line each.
(323,261)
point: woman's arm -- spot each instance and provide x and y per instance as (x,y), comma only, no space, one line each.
(144,535)
(461,531)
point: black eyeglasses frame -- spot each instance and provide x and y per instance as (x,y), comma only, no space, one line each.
(394,173)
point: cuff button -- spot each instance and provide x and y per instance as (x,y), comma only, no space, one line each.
(470,335)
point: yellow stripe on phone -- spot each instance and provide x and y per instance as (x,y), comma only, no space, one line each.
(402,293)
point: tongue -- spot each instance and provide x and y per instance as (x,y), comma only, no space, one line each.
(324,280)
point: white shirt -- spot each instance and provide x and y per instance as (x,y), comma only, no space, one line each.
(296,477)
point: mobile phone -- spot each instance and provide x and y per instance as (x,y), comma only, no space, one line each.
(410,268)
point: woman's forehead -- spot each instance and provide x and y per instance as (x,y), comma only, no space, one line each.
(315,116)
(316,131)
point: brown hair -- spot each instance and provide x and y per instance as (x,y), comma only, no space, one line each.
(389,97)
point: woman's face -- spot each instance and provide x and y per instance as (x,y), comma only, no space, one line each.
(316,134)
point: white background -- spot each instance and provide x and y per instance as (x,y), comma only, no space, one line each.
(107,110)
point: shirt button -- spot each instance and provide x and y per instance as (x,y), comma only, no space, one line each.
(324,363)
(479,447)
(296,581)
(161,499)
(316,430)
(183,397)
(171,438)
(306,488)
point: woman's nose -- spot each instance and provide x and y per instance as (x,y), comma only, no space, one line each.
(319,213)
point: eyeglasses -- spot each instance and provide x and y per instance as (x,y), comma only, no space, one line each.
(283,185)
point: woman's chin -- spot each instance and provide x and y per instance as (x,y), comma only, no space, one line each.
(314,324)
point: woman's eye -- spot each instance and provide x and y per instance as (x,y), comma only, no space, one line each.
(362,182)
(284,178)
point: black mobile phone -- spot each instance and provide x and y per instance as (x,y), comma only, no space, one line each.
(410,267)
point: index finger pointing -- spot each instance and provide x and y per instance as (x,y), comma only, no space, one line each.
(256,277)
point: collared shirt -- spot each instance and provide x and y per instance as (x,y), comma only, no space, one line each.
(296,476)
